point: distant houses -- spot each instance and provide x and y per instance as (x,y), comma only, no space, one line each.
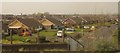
(7,17)
(75,22)
(34,24)
(48,21)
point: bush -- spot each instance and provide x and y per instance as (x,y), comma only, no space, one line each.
(42,39)
(105,46)
(77,36)
(28,40)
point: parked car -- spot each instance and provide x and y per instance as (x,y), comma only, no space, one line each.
(86,27)
(70,29)
(116,23)
(60,34)
(92,28)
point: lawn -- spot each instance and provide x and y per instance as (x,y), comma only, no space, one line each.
(115,39)
(101,24)
(78,29)
(95,24)
(24,39)
(106,24)
(19,39)
(4,41)
(48,33)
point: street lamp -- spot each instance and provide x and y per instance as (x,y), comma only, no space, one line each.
(38,36)
(63,35)
(82,27)
(10,32)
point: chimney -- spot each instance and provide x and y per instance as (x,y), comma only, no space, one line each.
(21,15)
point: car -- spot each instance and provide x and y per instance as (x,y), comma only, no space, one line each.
(86,27)
(92,28)
(60,34)
(116,23)
(70,29)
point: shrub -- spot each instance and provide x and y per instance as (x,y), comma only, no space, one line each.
(105,46)
(42,39)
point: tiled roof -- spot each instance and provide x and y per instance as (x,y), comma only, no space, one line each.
(53,20)
(30,22)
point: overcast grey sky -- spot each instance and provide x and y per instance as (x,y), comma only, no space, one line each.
(60,7)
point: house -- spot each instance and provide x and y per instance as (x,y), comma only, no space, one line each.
(50,23)
(27,24)
(73,22)
(69,22)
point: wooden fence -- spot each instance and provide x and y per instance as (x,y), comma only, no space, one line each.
(33,47)
(64,52)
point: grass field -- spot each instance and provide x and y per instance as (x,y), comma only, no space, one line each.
(18,39)
(115,39)
(48,33)
(101,24)
(23,39)
(78,29)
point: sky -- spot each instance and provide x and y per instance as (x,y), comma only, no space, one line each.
(60,7)
(59,0)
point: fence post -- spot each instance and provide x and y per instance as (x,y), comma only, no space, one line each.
(68,43)
(63,35)
(38,36)
(41,51)
(11,36)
